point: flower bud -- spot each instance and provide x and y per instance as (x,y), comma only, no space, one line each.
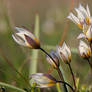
(84,50)
(25,38)
(54,63)
(64,53)
(43,80)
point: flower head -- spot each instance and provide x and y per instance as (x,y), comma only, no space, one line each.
(64,53)
(25,38)
(83,16)
(54,63)
(43,80)
(84,50)
(87,34)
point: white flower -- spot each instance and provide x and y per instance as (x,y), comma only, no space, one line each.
(25,38)
(86,13)
(87,34)
(64,53)
(84,50)
(43,80)
(83,16)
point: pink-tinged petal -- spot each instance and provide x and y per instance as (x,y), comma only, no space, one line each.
(81,36)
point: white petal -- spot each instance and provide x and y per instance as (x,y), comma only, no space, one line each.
(18,40)
(73,18)
(83,10)
(88,11)
(81,36)
(89,32)
(67,49)
(25,31)
(82,43)
(80,15)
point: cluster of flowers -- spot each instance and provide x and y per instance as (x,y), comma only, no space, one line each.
(84,22)
(25,38)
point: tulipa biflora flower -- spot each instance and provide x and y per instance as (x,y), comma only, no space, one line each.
(54,63)
(83,16)
(64,53)
(87,34)
(43,80)
(84,50)
(25,38)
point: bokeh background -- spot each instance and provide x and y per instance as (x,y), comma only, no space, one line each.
(54,29)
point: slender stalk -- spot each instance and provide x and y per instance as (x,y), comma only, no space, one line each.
(58,70)
(89,64)
(72,76)
(61,77)
(67,85)
(11,87)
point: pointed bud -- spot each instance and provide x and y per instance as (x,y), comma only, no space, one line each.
(54,63)
(64,53)
(84,50)
(43,80)
(25,38)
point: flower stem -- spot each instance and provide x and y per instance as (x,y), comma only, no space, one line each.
(61,77)
(89,64)
(67,85)
(72,76)
(58,70)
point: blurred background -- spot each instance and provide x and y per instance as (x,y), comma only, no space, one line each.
(54,29)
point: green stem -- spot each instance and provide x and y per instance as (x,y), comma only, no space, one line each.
(89,64)
(61,77)
(72,76)
(11,87)
(67,85)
